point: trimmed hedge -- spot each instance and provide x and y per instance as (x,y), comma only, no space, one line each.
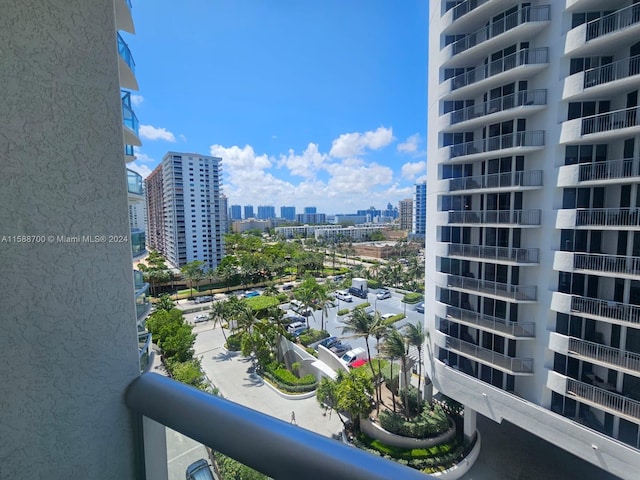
(343,311)
(363,305)
(234,342)
(277,374)
(412,298)
(430,423)
(394,319)
(312,336)
(374,284)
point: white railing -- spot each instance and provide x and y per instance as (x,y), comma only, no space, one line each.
(623,312)
(613,22)
(500,142)
(608,169)
(505,217)
(465,7)
(506,102)
(529,178)
(607,263)
(605,354)
(518,255)
(604,398)
(488,287)
(611,72)
(608,217)
(484,355)
(606,122)
(516,329)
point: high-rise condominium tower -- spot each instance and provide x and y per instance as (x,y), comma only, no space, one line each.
(534,219)
(185,219)
(406,214)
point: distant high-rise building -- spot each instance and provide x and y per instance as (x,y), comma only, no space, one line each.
(266,212)
(288,213)
(235,212)
(189,224)
(533,293)
(309,210)
(248,212)
(420,209)
(406,214)
(311,218)
(224,214)
(391,212)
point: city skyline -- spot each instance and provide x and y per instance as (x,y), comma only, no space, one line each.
(322,120)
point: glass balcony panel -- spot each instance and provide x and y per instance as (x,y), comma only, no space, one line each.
(134,182)
(125,53)
(487,287)
(129,118)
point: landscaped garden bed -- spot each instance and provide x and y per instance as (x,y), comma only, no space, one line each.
(286,381)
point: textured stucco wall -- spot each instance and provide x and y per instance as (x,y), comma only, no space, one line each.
(68,345)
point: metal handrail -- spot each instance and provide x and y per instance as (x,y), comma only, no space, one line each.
(527,56)
(465,7)
(624,312)
(615,21)
(525,15)
(611,72)
(507,217)
(605,354)
(125,53)
(519,255)
(609,169)
(129,117)
(266,444)
(528,178)
(512,364)
(506,102)
(611,217)
(600,396)
(607,263)
(605,122)
(533,138)
(517,329)
(505,290)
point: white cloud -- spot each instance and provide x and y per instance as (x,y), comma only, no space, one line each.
(141,169)
(354,144)
(304,165)
(412,170)
(137,100)
(355,178)
(410,145)
(143,157)
(240,158)
(149,132)
(182,137)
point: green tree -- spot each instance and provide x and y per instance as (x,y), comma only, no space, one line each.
(415,336)
(394,346)
(165,303)
(218,310)
(193,272)
(189,372)
(327,397)
(354,392)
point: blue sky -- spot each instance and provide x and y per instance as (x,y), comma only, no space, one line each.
(307,102)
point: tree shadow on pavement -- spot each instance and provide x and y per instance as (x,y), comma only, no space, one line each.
(224,356)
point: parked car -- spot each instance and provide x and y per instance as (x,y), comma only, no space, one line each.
(200,318)
(352,355)
(338,278)
(356,292)
(289,319)
(287,287)
(383,294)
(299,331)
(344,296)
(420,307)
(199,470)
(203,299)
(295,325)
(329,342)
(340,348)
(251,294)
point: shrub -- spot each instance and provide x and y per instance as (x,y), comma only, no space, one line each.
(363,305)
(311,336)
(412,298)
(282,297)
(373,284)
(343,311)
(394,319)
(230,468)
(262,302)
(234,342)
(286,381)
(429,423)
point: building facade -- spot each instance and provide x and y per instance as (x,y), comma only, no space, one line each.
(235,212)
(266,212)
(248,212)
(406,214)
(420,210)
(288,213)
(190,221)
(536,299)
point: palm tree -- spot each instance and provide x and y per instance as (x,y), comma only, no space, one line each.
(395,346)
(415,336)
(379,330)
(218,311)
(193,272)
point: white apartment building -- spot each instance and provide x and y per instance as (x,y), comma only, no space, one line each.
(533,219)
(190,220)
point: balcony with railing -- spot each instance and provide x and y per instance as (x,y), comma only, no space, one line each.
(509,144)
(510,365)
(134,183)
(604,80)
(124,19)
(454,12)
(613,265)
(471,48)
(606,400)
(603,355)
(501,291)
(129,153)
(126,66)
(130,121)
(508,181)
(521,218)
(524,330)
(483,77)
(257,440)
(608,217)
(524,256)
(601,127)
(498,109)
(606,310)
(618,171)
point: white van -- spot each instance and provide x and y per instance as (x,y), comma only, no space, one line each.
(344,296)
(353,355)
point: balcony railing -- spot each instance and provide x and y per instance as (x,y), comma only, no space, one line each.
(529,178)
(128,150)
(608,217)
(125,53)
(605,354)
(516,329)
(484,355)
(514,100)
(487,287)
(501,142)
(266,444)
(505,217)
(134,182)
(622,312)
(525,15)
(604,398)
(605,122)
(519,255)
(527,56)
(607,263)
(609,169)
(612,71)
(613,22)
(129,118)
(465,7)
